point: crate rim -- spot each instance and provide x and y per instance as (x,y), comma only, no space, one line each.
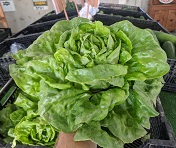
(145,15)
(132,20)
(28,35)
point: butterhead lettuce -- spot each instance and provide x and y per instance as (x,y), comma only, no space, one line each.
(100,81)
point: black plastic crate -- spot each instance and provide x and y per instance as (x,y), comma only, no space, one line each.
(45,23)
(6,60)
(53,16)
(46,15)
(170,77)
(143,24)
(125,13)
(25,40)
(41,27)
(5,33)
(50,13)
(4,72)
(120,6)
(161,133)
(6,94)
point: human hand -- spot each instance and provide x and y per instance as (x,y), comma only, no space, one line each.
(67,141)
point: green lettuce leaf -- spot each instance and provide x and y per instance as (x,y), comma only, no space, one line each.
(33,130)
(127,121)
(64,109)
(94,133)
(25,103)
(148,58)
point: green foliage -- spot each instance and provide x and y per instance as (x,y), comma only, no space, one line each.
(99,81)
